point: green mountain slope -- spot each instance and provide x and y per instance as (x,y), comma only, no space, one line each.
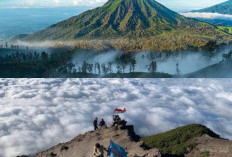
(177,142)
(222,8)
(115,19)
(145,21)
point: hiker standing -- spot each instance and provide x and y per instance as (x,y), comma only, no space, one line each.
(95,124)
(99,150)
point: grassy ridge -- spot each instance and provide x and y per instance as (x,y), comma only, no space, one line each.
(178,141)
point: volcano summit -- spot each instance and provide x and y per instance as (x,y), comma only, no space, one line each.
(142,24)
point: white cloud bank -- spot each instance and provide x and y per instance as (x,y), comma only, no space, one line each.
(38,113)
(208,15)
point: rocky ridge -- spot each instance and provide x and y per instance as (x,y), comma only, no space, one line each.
(82,145)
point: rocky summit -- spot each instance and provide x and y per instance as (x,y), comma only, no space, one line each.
(83,145)
(193,140)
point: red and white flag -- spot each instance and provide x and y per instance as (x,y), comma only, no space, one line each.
(117,110)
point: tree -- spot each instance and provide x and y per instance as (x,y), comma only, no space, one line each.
(110,67)
(226,57)
(119,69)
(98,66)
(79,69)
(44,56)
(70,66)
(36,56)
(211,45)
(104,69)
(123,68)
(84,67)
(152,67)
(74,71)
(133,63)
(177,69)
(90,68)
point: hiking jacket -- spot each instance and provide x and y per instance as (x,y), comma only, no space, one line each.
(95,122)
(102,123)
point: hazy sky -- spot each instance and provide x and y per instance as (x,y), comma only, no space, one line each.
(173,4)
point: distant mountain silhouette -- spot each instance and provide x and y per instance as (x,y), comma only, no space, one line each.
(219,70)
(222,8)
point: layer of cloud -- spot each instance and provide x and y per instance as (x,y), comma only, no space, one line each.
(38,113)
(208,15)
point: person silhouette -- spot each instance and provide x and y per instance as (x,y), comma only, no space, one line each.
(95,124)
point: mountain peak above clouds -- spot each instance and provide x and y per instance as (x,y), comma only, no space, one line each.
(147,22)
(116,18)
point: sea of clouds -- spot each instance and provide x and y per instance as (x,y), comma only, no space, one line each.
(207,15)
(36,114)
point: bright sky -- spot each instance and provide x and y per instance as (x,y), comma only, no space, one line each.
(177,5)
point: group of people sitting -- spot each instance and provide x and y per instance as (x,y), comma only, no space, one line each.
(116,121)
(99,149)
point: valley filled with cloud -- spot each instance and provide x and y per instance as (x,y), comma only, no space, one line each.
(36,114)
(207,15)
